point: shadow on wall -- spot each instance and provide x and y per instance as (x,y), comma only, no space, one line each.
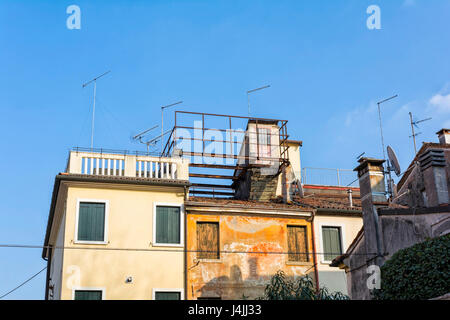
(234,287)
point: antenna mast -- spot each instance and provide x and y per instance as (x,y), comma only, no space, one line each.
(162,121)
(93,108)
(414,135)
(253,90)
(381,127)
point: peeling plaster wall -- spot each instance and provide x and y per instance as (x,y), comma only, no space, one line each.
(236,275)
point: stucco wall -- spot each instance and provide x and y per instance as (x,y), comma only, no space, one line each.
(57,263)
(333,278)
(398,231)
(238,274)
(129,226)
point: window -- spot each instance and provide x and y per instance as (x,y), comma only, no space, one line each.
(91,222)
(331,242)
(264,136)
(208,240)
(167,295)
(88,295)
(264,142)
(297,244)
(167,223)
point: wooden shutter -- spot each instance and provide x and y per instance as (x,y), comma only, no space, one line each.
(88,295)
(91,221)
(331,239)
(167,225)
(297,244)
(208,240)
(167,295)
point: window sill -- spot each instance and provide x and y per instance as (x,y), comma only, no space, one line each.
(209,260)
(299,263)
(173,245)
(90,242)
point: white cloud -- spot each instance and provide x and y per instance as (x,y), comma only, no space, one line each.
(440,103)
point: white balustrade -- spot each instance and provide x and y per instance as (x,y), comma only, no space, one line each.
(146,167)
(104,166)
(161,169)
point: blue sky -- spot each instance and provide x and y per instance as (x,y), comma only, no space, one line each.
(326,69)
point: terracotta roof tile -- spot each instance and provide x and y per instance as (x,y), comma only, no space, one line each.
(324,201)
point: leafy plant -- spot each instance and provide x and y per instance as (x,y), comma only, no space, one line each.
(281,288)
(418,272)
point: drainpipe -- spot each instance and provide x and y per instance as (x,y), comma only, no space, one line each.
(47,278)
(316,272)
(185,256)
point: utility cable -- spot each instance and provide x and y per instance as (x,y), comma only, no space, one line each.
(26,281)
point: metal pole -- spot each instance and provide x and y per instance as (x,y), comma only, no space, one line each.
(253,90)
(93,109)
(413,134)
(162,128)
(93,116)
(381,131)
(381,126)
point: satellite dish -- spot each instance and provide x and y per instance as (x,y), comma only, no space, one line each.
(393,160)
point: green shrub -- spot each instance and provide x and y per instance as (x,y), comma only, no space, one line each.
(418,272)
(303,288)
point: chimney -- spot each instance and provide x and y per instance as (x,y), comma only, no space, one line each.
(350,198)
(444,136)
(373,193)
(433,167)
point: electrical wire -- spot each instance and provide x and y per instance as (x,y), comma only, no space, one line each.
(24,246)
(20,285)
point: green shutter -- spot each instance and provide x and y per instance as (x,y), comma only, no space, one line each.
(88,295)
(167,296)
(168,225)
(331,237)
(91,221)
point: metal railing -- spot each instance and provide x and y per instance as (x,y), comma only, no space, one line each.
(330,177)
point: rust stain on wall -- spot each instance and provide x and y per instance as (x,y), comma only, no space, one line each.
(253,249)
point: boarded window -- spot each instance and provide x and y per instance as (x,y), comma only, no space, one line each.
(264,136)
(164,295)
(264,142)
(88,295)
(297,244)
(91,221)
(331,237)
(168,225)
(208,240)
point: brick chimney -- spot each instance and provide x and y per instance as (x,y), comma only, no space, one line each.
(373,193)
(433,167)
(444,136)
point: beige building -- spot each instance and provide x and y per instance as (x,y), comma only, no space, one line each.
(115,228)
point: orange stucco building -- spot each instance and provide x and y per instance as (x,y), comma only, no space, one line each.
(234,247)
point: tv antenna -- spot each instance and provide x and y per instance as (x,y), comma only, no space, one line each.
(381,127)
(392,165)
(139,137)
(93,108)
(414,124)
(162,121)
(253,90)
(357,158)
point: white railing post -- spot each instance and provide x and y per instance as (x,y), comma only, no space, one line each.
(151,169)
